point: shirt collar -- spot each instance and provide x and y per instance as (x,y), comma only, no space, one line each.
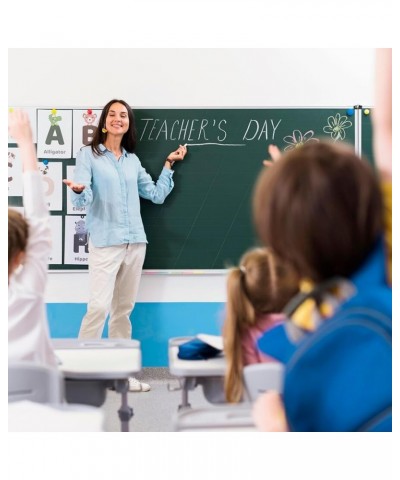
(103,148)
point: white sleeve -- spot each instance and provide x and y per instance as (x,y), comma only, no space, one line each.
(34,272)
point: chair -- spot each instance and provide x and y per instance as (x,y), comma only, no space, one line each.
(34,382)
(217,419)
(261,377)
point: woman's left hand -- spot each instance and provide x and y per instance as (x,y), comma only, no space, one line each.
(178,154)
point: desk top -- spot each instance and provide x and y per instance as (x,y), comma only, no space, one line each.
(213,367)
(27,416)
(217,418)
(98,360)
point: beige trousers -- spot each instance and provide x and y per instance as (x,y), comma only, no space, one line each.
(114,278)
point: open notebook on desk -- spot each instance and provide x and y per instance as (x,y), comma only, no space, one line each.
(215,341)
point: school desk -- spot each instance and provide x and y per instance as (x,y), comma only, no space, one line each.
(90,367)
(214,419)
(27,416)
(208,373)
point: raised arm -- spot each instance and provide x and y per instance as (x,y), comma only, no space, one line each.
(34,274)
(382,114)
(175,156)
(275,155)
(19,128)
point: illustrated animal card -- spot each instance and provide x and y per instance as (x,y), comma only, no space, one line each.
(54,134)
(76,240)
(85,126)
(55,257)
(52,183)
(15,184)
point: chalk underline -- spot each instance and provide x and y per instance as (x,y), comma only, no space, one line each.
(220,144)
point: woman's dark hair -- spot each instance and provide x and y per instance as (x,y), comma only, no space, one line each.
(128,140)
(320,210)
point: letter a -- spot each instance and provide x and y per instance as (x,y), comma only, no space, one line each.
(54,135)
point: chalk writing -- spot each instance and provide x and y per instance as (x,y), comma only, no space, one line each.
(210,132)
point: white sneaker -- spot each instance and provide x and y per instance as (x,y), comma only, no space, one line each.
(136,386)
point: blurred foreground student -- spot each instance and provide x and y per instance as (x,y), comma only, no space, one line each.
(257,291)
(29,245)
(337,343)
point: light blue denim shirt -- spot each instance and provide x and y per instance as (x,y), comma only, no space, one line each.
(111,196)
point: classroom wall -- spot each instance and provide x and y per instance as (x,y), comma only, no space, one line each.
(175,305)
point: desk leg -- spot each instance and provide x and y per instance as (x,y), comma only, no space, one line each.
(125,413)
(188,383)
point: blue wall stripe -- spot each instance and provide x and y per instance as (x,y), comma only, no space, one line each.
(152,323)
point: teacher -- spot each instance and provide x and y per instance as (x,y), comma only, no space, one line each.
(108,181)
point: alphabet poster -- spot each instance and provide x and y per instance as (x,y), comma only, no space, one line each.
(55,257)
(54,134)
(85,125)
(52,183)
(76,241)
(15,185)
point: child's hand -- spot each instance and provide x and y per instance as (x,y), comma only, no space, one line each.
(269,413)
(274,153)
(19,127)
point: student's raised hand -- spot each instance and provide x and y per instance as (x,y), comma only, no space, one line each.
(19,127)
(178,154)
(269,413)
(76,187)
(275,155)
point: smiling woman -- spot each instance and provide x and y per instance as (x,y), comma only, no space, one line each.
(109,179)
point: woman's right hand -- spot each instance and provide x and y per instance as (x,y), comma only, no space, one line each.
(75,187)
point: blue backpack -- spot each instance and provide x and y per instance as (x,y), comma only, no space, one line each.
(340,377)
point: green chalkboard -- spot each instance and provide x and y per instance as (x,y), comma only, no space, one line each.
(206,221)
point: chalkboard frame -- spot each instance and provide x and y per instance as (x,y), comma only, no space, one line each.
(64,268)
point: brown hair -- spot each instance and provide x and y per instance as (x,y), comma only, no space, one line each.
(320,209)
(18,232)
(129,138)
(257,286)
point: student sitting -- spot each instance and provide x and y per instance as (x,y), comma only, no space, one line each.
(257,291)
(320,210)
(29,245)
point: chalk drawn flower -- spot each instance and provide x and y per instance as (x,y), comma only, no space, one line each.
(336,126)
(297,139)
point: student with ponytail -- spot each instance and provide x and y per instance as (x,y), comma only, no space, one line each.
(257,291)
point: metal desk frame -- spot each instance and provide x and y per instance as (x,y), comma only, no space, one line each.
(86,361)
